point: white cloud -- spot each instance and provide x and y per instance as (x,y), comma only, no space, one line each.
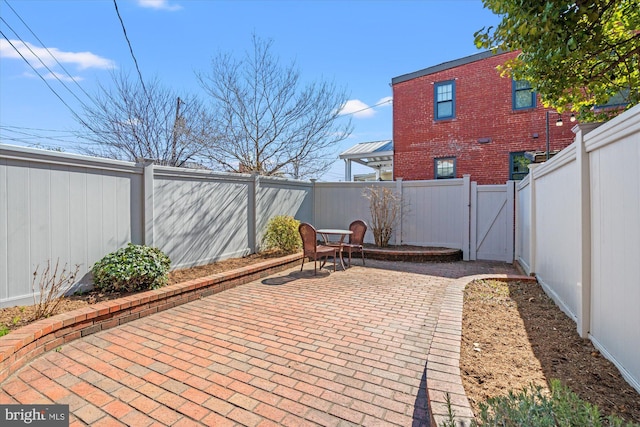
(62,77)
(82,60)
(358,108)
(386,101)
(361,110)
(159,4)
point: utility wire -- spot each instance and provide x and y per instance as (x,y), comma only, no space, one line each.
(27,139)
(144,88)
(59,131)
(48,51)
(135,61)
(30,134)
(41,61)
(389,101)
(9,133)
(9,127)
(41,77)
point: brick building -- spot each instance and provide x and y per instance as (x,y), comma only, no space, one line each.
(461,117)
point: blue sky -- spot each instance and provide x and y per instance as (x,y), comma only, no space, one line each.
(360,45)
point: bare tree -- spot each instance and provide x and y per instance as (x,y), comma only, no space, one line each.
(386,208)
(270,123)
(135,121)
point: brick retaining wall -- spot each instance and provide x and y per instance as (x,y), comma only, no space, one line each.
(24,344)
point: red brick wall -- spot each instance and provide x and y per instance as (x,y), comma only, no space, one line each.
(483,109)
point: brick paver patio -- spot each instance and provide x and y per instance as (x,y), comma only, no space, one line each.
(338,349)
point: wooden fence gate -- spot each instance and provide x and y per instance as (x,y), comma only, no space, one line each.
(492,222)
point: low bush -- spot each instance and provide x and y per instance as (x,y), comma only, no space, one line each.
(282,234)
(386,209)
(52,284)
(132,268)
(532,407)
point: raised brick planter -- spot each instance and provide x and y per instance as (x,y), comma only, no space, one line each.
(427,255)
(28,342)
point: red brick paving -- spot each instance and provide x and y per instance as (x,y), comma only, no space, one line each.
(337,349)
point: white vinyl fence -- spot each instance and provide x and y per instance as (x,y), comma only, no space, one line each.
(578,231)
(434,213)
(577,221)
(492,216)
(77,209)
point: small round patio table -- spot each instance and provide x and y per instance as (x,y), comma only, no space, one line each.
(334,237)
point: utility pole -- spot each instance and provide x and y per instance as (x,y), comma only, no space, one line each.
(174,141)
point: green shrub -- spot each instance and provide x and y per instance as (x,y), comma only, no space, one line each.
(132,268)
(532,407)
(282,234)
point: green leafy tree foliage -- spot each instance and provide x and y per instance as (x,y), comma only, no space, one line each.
(577,54)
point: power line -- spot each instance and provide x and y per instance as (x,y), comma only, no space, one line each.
(8,127)
(135,61)
(22,136)
(41,61)
(388,101)
(49,52)
(42,78)
(19,132)
(32,133)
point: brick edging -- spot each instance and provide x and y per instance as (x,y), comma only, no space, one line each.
(443,360)
(430,255)
(24,344)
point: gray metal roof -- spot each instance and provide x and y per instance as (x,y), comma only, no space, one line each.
(372,154)
(445,66)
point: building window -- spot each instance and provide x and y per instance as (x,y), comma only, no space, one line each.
(445,168)
(445,100)
(523,95)
(518,165)
(618,100)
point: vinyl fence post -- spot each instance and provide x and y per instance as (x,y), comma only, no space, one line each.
(252,212)
(313,200)
(532,219)
(147,206)
(583,322)
(400,195)
(511,229)
(466,229)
